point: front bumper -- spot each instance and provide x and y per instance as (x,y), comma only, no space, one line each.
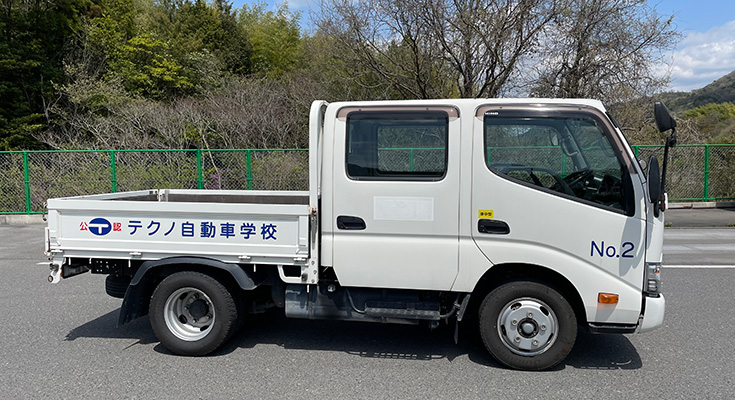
(653,315)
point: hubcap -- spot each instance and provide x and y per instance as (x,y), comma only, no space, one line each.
(527,326)
(189,313)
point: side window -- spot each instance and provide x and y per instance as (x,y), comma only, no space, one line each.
(569,155)
(397,145)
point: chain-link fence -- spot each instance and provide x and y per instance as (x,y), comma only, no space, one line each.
(28,178)
(13,196)
(411,160)
(696,172)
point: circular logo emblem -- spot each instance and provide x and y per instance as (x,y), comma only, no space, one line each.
(100,226)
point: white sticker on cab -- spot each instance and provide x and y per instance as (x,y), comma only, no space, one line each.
(403,208)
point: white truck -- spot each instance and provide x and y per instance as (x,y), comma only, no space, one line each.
(532,216)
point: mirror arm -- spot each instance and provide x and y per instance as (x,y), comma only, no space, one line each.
(670,142)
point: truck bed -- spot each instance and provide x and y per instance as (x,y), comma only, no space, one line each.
(259,227)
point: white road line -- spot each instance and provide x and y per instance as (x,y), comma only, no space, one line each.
(665,266)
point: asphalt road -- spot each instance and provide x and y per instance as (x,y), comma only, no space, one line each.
(60,341)
(700,217)
(699,247)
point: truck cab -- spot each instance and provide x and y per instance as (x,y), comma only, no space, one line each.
(459,195)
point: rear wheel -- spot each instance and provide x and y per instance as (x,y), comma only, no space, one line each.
(527,325)
(192,313)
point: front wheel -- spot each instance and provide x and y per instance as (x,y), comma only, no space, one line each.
(192,314)
(527,325)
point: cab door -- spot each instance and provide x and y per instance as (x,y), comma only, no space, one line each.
(553,188)
(396,197)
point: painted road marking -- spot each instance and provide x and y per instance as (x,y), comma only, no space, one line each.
(664,266)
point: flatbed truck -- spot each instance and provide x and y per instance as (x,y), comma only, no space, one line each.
(531,216)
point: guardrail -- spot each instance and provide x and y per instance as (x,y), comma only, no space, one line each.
(28,178)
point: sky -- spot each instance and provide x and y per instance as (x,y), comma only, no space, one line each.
(705,53)
(707,49)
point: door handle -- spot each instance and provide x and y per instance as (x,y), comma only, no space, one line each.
(350,223)
(493,227)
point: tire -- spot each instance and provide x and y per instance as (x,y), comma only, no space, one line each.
(192,314)
(527,325)
(116,286)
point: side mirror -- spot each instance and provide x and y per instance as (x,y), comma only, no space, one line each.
(654,185)
(664,121)
(553,139)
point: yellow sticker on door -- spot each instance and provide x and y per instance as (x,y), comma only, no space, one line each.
(486,214)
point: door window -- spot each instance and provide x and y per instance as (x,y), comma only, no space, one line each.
(566,155)
(397,145)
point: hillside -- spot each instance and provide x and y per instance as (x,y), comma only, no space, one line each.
(720,91)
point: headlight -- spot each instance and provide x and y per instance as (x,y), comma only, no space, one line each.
(652,284)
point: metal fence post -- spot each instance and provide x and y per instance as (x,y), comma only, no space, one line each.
(410,159)
(27,182)
(113,172)
(706,172)
(636,150)
(200,178)
(249,163)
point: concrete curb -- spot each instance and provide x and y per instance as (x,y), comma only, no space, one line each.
(702,204)
(21,219)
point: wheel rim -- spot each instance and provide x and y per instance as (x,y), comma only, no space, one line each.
(189,314)
(527,326)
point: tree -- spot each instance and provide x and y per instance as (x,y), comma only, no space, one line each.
(715,122)
(437,48)
(33,36)
(148,69)
(235,50)
(202,38)
(275,36)
(604,49)
(160,50)
(715,111)
(243,113)
(337,78)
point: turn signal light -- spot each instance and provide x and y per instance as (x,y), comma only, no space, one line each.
(607,298)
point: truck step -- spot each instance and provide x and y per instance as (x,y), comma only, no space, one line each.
(404,310)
